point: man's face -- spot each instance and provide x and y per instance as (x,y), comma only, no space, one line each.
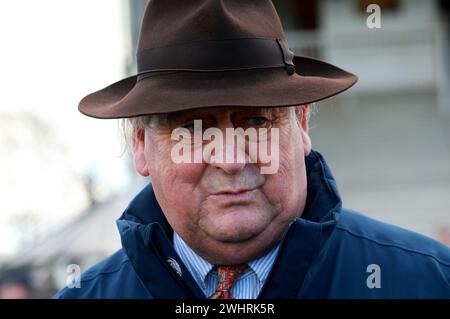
(228,212)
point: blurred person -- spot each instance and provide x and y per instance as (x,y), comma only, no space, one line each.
(225,229)
(14,289)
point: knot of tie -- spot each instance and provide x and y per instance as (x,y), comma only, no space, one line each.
(227,276)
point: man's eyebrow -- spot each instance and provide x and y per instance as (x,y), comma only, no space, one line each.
(272,113)
(177,116)
(202,113)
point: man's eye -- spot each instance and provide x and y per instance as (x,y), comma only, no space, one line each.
(256,121)
(189,126)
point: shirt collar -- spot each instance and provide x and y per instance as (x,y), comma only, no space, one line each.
(263,265)
(200,268)
(196,265)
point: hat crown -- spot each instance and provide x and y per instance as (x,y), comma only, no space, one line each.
(211,53)
(170,22)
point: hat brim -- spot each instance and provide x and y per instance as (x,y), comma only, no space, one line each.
(172,91)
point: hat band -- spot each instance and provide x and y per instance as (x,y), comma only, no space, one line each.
(217,55)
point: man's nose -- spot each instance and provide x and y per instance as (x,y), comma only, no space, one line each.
(234,156)
(229,168)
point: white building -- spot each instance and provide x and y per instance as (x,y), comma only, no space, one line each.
(388,138)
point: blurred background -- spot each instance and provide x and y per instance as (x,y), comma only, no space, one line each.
(65,178)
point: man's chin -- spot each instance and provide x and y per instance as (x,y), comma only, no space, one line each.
(236,224)
(234,247)
(236,233)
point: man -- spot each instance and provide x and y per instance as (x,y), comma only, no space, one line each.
(227,220)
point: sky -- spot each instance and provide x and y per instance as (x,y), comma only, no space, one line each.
(53,54)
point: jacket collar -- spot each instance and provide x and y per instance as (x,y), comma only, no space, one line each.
(147,240)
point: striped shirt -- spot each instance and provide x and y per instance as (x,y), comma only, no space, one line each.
(246,286)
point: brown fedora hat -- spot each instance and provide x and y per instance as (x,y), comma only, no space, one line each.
(209,53)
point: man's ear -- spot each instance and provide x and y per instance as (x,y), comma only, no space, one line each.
(138,150)
(302,114)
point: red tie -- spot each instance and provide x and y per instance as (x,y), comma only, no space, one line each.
(227,276)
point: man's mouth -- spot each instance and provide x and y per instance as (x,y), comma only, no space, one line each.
(234,195)
(233,191)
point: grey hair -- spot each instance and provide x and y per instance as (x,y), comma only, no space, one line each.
(313,110)
(127,126)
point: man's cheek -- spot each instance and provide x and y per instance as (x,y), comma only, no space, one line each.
(284,171)
(280,184)
(187,173)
